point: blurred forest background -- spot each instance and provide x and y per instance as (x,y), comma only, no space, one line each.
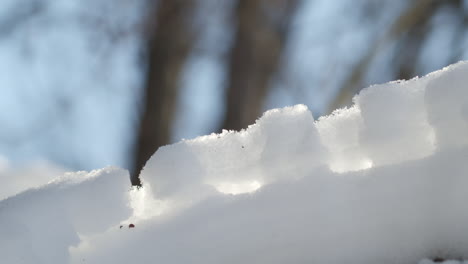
(90,83)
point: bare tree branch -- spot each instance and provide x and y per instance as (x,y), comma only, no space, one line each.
(411,22)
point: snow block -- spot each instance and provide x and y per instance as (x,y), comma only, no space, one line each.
(282,143)
(447,105)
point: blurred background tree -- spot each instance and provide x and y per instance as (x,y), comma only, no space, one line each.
(85,84)
(168,40)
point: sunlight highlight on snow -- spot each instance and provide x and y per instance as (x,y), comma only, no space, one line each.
(238,188)
(144,205)
(366,164)
(342,167)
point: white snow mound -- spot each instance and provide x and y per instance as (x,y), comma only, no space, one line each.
(384,181)
(39,225)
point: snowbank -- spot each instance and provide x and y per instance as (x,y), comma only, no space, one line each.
(384,181)
(40,224)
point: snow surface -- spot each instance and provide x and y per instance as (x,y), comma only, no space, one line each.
(39,225)
(384,181)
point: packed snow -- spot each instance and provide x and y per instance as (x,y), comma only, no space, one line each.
(384,181)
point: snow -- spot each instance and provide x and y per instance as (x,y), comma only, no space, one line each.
(40,224)
(383,181)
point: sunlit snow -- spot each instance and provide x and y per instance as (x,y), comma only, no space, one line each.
(238,188)
(383,181)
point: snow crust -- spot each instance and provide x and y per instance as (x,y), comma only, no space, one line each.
(384,181)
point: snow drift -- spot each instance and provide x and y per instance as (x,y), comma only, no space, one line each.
(40,224)
(384,181)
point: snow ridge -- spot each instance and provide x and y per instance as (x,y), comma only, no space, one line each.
(383,181)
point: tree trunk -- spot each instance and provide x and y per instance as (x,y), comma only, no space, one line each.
(167,46)
(259,40)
